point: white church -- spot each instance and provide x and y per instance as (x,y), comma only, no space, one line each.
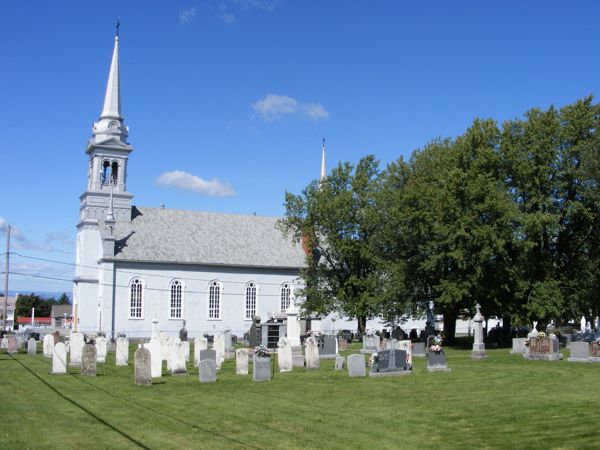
(133,264)
(136,264)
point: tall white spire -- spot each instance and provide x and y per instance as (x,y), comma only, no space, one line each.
(112,99)
(323,165)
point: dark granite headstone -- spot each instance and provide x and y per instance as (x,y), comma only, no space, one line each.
(183,335)
(327,347)
(88,360)
(255,333)
(436,361)
(390,362)
(143,369)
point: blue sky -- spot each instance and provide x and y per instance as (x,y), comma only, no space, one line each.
(239,93)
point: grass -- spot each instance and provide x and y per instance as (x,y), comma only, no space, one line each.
(504,401)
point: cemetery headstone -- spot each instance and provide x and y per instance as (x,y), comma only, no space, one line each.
(340,363)
(4,343)
(207,370)
(406,345)
(200,343)
(518,345)
(391,362)
(122,352)
(544,348)
(418,349)
(580,352)
(261,368)
(255,334)
(156,360)
(186,350)
(178,359)
(356,365)
(327,347)
(56,337)
(594,351)
(48,345)
(143,366)
(207,367)
(342,344)
(311,352)
(183,334)
(101,349)
(31,347)
(478,351)
(89,358)
(59,359)
(370,343)
(219,347)
(284,355)
(241,361)
(227,344)
(12,346)
(76,343)
(436,357)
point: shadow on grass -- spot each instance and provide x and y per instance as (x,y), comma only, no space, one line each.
(81,407)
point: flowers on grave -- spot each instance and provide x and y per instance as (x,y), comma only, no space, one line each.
(374,361)
(541,334)
(260,351)
(437,344)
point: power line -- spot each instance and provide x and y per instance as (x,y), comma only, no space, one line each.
(139,274)
(45,277)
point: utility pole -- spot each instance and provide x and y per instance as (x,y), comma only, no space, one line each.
(6,278)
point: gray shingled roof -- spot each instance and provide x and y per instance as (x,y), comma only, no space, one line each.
(169,235)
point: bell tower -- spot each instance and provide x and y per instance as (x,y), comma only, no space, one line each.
(108,152)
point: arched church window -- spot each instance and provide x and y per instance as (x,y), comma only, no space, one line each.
(176,305)
(135,299)
(250,300)
(214,300)
(286,292)
(114,171)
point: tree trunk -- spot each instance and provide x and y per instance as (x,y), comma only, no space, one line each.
(506,330)
(450,315)
(362,324)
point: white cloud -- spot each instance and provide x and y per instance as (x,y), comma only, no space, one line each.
(273,107)
(52,241)
(265,5)
(225,15)
(315,111)
(187,15)
(188,182)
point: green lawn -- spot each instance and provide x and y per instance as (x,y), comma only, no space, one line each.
(504,401)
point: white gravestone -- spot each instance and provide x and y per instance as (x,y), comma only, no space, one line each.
(122,352)
(155,357)
(101,349)
(178,359)
(186,350)
(200,343)
(356,365)
(478,351)
(311,352)
(76,343)
(48,345)
(284,355)
(31,347)
(59,359)
(219,348)
(241,361)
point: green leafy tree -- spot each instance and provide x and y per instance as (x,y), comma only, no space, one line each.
(335,222)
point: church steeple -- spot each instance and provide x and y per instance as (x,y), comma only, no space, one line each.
(109,151)
(323,165)
(112,99)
